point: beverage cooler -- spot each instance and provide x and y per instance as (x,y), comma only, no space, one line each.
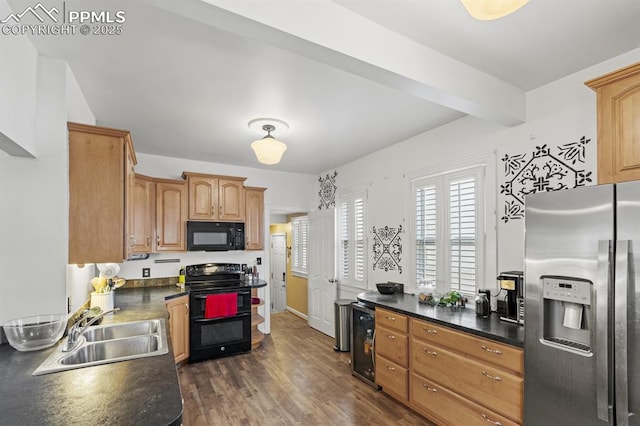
(363,324)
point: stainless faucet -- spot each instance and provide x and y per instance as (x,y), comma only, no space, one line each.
(78,329)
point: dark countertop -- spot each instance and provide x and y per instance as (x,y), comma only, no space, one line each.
(140,391)
(463,319)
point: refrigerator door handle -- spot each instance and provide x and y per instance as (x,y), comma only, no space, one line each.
(601,331)
(620,331)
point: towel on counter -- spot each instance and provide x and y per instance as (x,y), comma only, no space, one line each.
(221,305)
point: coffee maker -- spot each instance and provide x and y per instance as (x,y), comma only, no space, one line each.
(512,307)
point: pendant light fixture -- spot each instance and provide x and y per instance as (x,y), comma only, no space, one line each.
(486,10)
(268,150)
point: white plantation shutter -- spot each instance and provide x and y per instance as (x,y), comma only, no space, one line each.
(343,241)
(300,231)
(352,239)
(462,234)
(360,241)
(426,233)
(448,209)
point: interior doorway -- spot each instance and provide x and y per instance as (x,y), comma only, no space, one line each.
(278,268)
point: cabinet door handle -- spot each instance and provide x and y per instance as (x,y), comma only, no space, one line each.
(391,368)
(489,376)
(432,353)
(430,330)
(158,239)
(430,389)
(391,336)
(213,210)
(391,318)
(186,309)
(148,240)
(493,351)
(488,420)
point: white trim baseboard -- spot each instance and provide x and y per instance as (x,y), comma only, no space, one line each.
(300,314)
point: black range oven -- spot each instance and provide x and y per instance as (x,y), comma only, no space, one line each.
(218,336)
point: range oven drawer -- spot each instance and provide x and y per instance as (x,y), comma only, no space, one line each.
(198,302)
(213,338)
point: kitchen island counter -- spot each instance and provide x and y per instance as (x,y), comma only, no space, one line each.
(462,319)
(139,391)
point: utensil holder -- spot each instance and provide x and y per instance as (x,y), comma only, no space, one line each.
(104,300)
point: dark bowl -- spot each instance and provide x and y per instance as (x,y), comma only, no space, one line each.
(386,288)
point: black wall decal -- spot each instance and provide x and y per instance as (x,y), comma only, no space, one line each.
(327,191)
(542,171)
(387,248)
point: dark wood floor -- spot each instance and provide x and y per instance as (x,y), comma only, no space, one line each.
(294,378)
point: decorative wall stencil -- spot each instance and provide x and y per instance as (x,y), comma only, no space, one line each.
(327,191)
(387,248)
(542,171)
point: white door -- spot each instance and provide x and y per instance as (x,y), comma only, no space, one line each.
(278,272)
(322,277)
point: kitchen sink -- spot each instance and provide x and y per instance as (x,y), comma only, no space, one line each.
(113,350)
(117,331)
(109,343)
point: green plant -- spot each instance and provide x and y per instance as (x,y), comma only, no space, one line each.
(450,298)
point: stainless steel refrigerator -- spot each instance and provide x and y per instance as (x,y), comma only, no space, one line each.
(582,306)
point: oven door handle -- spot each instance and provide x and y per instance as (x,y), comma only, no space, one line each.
(237,316)
(204,296)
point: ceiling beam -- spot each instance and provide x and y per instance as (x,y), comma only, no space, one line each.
(329,33)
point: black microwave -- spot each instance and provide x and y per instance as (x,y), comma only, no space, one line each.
(215,236)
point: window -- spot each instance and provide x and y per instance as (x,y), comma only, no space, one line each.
(449,231)
(352,241)
(300,231)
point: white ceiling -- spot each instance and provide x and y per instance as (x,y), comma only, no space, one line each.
(349,76)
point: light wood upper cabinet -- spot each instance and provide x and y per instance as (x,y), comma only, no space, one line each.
(171,215)
(213,197)
(178,309)
(618,104)
(254,221)
(144,203)
(101,164)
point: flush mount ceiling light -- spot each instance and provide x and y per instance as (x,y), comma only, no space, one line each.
(485,10)
(268,150)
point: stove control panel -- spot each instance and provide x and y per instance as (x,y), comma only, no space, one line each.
(207,269)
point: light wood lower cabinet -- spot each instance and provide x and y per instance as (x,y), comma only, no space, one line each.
(480,380)
(178,309)
(393,378)
(451,377)
(392,345)
(446,407)
(476,381)
(392,353)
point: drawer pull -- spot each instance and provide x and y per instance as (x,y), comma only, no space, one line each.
(429,388)
(430,330)
(430,352)
(493,351)
(391,318)
(391,336)
(391,368)
(489,376)
(493,422)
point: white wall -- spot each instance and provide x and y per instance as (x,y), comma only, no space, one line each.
(558,113)
(18,78)
(34,191)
